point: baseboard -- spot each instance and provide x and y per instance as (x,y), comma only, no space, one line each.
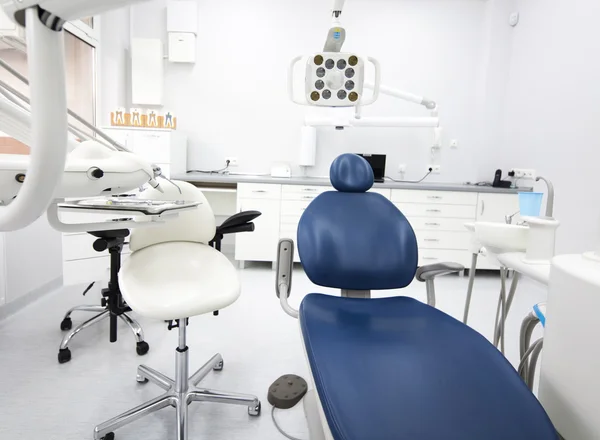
(18,304)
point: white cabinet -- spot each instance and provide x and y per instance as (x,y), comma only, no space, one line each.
(165,148)
(438,218)
(494,208)
(260,245)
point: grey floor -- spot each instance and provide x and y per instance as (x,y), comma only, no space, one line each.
(40,399)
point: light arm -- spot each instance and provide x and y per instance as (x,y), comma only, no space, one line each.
(410,97)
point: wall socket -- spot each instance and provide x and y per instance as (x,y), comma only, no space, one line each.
(454,144)
(521,173)
(402,168)
(233,161)
(437,169)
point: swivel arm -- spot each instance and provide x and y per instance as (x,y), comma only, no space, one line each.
(285,268)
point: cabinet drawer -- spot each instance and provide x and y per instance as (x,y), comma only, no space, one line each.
(259,191)
(86,271)
(292,208)
(434,197)
(288,190)
(444,240)
(433,256)
(80,246)
(437,224)
(411,210)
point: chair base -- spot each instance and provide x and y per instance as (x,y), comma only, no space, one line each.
(104,312)
(180,393)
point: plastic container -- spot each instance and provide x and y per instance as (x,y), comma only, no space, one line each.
(530,204)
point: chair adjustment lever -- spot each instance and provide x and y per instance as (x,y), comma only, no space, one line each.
(175,323)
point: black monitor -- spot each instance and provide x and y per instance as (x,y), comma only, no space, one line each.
(377,162)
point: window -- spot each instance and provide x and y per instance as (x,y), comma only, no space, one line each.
(80,72)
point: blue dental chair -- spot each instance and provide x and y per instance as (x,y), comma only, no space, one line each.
(394,368)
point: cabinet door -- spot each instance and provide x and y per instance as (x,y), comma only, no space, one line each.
(495,207)
(260,245)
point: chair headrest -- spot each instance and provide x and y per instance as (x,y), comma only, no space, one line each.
(351,173)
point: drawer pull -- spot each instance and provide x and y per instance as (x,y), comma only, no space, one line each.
(434,210)
(259,191)
(430,258)
(435,197)
(432,224)
(308,197)
(309,189)
(432,240)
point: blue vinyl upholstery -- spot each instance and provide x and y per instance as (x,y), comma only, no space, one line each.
(355,240)
(397,369)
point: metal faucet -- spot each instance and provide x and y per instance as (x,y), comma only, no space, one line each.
(550,203)
(509,218)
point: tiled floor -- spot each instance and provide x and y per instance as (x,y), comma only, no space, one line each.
(40,399)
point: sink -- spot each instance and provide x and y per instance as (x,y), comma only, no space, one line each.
(500,238)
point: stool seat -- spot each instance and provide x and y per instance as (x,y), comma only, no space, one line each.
(176,280)
(397,369)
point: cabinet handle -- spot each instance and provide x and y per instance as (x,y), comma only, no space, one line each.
(309,189)
(482,207)
(432,240)
(259,191)
(430,258)
(435,197)
(432,224)
(433,210)
(308,197)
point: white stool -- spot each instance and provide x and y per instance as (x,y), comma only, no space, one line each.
(172,275)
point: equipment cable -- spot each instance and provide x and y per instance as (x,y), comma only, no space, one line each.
(281,431)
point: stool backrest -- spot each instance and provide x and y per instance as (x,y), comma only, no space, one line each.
(197,225)
(355,240)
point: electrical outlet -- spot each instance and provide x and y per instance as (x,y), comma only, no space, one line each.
(521,173)
(454,143)
(402,168)
(436,169)
(233,161)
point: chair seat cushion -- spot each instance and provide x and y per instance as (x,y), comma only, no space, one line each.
(397,369)
(178,280)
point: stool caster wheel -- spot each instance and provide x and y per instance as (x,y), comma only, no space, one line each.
(104,303)
(141,379)
(254,411)
(64,356)
(109,436)
(219,366)
(142,348)
(66,324)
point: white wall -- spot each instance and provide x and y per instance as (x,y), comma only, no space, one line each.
(233,101)
(33,259)
(552,113)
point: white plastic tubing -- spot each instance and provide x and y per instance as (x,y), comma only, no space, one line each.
(49,125)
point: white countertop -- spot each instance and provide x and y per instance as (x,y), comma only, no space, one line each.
(537,272)
(233,179)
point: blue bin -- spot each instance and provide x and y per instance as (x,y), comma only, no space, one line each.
(530,204)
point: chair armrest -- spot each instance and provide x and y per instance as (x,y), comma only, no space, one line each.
(428,274)
(432,271)
(241,218)
(285,269)
(235,229)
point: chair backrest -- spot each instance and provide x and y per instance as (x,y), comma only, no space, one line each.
(354,240)
(197,225)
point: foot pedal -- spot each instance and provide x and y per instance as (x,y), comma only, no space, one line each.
(287,391)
